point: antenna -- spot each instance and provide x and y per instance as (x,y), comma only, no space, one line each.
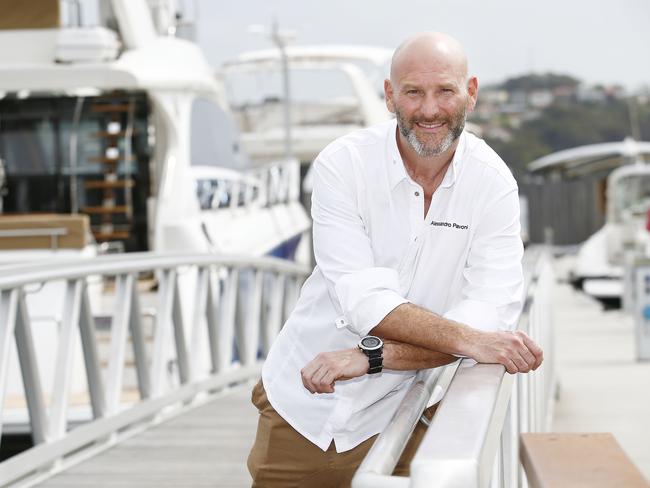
(280,38)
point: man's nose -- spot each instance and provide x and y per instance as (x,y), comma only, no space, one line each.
(429,107)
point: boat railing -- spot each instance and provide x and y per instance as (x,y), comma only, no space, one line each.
(473,438)
(182,363)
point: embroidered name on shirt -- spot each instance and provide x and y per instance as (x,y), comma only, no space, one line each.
(453,225)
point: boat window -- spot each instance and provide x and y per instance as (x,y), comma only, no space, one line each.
(318,97)
(214,136)
(632,196)
(43,174)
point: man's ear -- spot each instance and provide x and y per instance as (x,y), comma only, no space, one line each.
(472,92)
(388,95)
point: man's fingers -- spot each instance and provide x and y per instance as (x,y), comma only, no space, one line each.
(308,373)
(528,358)
(520,362)
(535,350)
(511,367)
(323,380)
(318,377)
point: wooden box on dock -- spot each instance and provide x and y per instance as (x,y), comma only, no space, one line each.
(44,231)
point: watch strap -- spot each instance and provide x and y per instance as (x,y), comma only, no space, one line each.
(375,364)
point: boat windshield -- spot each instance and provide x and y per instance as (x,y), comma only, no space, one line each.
(214,137)
(318,97)
(632,196)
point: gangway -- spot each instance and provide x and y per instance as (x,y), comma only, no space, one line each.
(193,423)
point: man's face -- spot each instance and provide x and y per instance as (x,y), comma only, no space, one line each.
(430,108)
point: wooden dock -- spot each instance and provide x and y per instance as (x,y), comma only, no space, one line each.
(204,447)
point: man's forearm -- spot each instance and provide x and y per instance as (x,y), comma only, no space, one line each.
(415,325)
(321,373)
(404,357)
(411,324)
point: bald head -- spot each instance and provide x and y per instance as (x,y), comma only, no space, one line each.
(429,50)
(430,94)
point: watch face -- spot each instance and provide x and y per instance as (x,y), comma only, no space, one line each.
(371,343)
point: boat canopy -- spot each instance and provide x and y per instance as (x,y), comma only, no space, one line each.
(375,55)
(153,66)
(593,158)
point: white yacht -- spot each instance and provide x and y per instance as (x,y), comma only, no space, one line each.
(599,268)
(334,89)
(120,133)
(123,126)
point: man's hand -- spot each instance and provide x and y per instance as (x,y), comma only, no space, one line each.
(515,350)
(320,373)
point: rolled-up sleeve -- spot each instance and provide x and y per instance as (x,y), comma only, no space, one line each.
(493,284)
(362,292)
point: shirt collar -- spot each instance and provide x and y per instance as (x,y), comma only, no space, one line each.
(397,171)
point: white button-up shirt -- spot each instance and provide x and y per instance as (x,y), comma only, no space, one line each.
(374,251)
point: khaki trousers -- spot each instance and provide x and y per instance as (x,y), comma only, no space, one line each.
(281,457)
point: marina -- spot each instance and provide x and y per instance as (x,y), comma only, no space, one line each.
(155,235)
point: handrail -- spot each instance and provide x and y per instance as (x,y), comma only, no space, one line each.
(472,440)
(113,265)
(379,463)
(206,304)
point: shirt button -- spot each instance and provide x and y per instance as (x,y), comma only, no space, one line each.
(417,193)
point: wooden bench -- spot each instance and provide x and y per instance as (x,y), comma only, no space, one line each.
(570,460)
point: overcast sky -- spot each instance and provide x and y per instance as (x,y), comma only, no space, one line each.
(597,41)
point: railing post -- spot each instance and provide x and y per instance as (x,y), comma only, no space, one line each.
(272,320)
(29,369)
(119,334)
(212,318)
(227,318)
(179,335)
(159,363)
(248,332)
(91,358)
(139,344)
(199,319)
(65,357)
(8,310)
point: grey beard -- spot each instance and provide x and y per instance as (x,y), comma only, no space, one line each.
(425,152)
(419,147)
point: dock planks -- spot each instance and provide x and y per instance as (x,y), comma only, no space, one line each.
(204,447)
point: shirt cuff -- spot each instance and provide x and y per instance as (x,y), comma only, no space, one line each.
(366,297)
(476,314)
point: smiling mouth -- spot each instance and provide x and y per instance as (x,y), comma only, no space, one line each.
(430,126)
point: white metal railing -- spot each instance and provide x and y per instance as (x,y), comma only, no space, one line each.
(473,438)
(229,298)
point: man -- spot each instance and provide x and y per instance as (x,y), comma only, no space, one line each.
(416,238)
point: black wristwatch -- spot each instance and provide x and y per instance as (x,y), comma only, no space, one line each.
(373,347)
